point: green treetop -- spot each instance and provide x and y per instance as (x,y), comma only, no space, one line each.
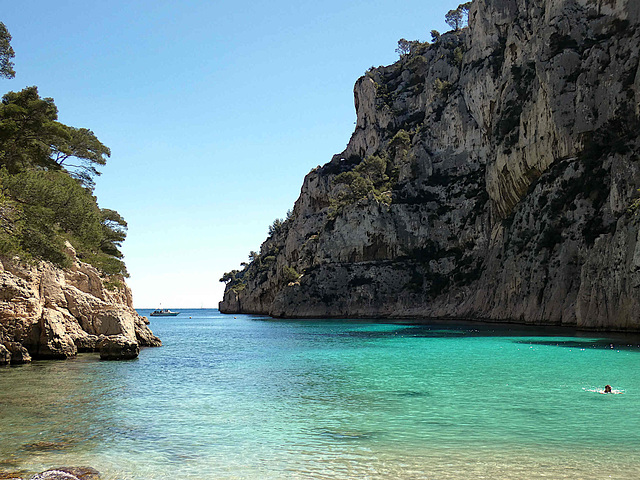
(6,53)
(31,136)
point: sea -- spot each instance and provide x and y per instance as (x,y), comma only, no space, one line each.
(250,397)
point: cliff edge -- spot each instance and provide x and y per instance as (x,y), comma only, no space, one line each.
(492,175)
(47,312)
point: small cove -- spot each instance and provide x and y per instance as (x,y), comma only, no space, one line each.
(251,398)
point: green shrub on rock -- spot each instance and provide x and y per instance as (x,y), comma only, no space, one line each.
(375,176)
(289,274)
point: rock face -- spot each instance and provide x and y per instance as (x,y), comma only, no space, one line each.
(50,313)
(492,175)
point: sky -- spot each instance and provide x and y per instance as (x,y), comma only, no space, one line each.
(214,112)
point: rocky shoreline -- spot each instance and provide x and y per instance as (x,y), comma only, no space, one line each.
(51,313)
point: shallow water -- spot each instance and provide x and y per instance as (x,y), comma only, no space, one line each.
(255,398)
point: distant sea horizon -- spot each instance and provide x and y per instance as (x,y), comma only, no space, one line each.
(251,397)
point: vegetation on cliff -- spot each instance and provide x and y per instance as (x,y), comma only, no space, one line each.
(47,172)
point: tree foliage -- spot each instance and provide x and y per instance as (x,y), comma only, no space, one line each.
(464,9)
(43,209)
(31,136)
(114,232)
(276,227)
(459,17)
(6,53)
(406,47)
(46,188)
(454,19)
(234,280)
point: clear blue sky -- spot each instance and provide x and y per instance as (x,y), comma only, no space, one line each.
(214,111)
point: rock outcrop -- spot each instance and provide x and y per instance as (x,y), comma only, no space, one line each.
(52,313)
(492,175)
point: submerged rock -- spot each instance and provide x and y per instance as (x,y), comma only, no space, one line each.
(62,473)
(45,446)
(54,475)
(68,473)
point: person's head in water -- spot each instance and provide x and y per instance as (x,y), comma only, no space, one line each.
(607,389)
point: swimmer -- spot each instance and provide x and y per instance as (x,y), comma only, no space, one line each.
(608,389)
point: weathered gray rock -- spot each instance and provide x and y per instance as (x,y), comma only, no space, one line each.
(516,147)
(117,347)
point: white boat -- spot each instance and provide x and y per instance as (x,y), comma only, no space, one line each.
(163,313)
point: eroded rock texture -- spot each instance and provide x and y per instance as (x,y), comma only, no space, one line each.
(511,152)
(50,313)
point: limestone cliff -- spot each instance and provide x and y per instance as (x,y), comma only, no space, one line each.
(52,313)
(492,175)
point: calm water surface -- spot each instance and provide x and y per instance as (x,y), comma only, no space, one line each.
(251,398)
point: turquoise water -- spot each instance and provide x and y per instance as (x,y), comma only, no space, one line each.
(255,398)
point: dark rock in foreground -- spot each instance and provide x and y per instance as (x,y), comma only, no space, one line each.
(62,473)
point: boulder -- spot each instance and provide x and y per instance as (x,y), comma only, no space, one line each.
(117,347)
(86,342)
(62,473)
